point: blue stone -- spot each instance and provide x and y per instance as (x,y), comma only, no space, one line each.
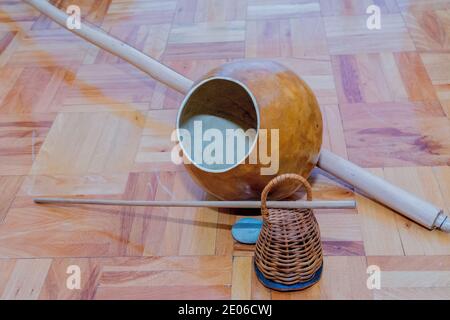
(246,230)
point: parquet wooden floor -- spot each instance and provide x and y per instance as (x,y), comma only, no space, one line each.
(75,120)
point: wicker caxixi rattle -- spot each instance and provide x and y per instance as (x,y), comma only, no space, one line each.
(288,253)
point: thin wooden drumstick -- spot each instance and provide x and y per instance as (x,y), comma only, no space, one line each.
(211,204)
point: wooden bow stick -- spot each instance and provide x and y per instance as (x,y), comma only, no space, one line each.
(211,204)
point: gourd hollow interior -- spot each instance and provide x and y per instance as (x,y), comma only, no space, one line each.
(266,106)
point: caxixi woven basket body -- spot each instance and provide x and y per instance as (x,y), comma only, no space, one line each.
(288,250)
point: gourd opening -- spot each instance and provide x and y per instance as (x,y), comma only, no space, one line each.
(218,124)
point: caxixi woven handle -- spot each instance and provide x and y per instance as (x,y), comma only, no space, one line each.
(276,181)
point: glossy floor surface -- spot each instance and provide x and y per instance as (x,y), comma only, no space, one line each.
(75,120)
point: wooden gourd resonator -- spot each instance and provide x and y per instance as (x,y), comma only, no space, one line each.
(292,108)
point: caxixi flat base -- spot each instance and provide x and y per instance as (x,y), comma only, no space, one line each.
(282,287)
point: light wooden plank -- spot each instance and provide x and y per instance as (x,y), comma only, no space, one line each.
(417,240)
(27,279)
(208,32)
(429,28)
(335,130)
(55,285)
(339,227)
(65,185)
(412,294)
(9,186)
(241,286)
(379,228)
(349,34)
(355,7)
(309,38)
(103,142)
(342,278)
(282,10)
(415,77)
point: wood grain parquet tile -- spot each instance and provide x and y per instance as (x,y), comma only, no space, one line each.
(33,231)
(10,185)
(335,282)
(437,65)
(23,284)
(356,7)
(327,187)
(415,77)
(182,221)
(317,74)
(106,144)
(155,145)
(104,278)
(73,185)
(242,278)
(442,175)
(55,284)
(216,10)
(8,77)
(422,182)
(297,38)
(224,240)
(16,15)
(150,39)
(259,291)
(166,278)
(264,39)
(47,48)
(193,292)
(405,5)
(140,12)
(374,77)
(6,38)
(350,35)
(378,226)
(412,294)
(396,134)
(430,29)
(21,137)
(26,94)
(92,11)
(412,277)
(210,50)
(203,32)
(110,84)
(333,131)
(6,269)
(185,12)
(262,9)
(153,227)
(339,227)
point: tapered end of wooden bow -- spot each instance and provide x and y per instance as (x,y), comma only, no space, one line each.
(446,226)
(443,222)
